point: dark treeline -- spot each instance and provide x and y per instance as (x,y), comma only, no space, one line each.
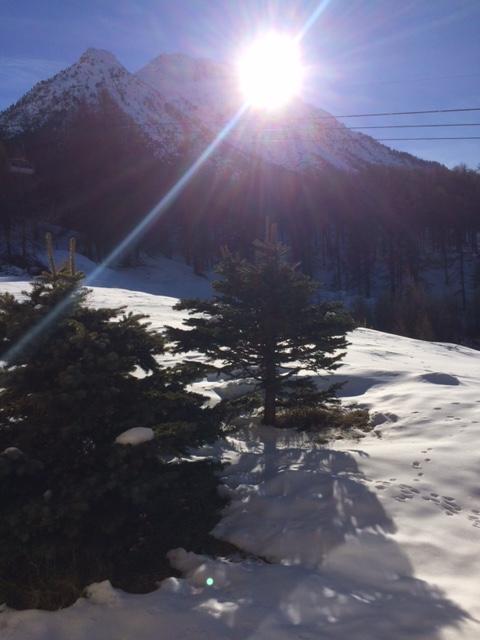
(400,244)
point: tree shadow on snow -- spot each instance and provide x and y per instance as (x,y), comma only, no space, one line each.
(335,572)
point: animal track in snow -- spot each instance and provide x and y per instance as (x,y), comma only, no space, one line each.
(475,519)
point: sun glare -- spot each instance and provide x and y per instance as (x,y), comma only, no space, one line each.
(271,71)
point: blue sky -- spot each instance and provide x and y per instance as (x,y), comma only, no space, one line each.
(365,55)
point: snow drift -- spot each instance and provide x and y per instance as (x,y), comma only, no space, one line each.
(372,539)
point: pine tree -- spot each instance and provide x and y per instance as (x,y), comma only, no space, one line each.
(263,324)
(69,492)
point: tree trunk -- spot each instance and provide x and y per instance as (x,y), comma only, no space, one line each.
(24,239)
(462,276)
(270,411)
(8,236)
(444,252)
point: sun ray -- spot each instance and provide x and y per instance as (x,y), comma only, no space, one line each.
(38,329)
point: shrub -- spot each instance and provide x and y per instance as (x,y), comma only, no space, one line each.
(329,422)
(76,505)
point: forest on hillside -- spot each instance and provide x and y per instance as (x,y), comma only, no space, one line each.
(400,245)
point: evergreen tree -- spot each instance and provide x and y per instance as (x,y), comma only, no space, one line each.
(5,197)
(70,493)
(263,324)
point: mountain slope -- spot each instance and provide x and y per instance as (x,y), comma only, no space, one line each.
(180,103)
(107,147)
(300,137)
(98,73)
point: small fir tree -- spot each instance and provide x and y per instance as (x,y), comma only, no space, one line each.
(263,324)
(70,494)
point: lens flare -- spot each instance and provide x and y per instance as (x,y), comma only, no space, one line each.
(271,71)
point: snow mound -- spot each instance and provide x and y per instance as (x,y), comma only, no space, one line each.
(102,593)
(440,378)
(14,453)
(200,571)
(137,435)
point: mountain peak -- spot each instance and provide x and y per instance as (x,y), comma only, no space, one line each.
(99,56)
(182,67)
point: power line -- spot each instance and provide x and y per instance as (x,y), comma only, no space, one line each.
(399,113)
(412,80)
(411,126)
(384,126)
(446,138)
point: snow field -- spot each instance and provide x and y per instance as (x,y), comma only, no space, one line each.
(371,539)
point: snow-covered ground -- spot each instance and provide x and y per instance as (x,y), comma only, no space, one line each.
(376,539)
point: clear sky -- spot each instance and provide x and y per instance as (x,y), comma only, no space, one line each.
(364,55)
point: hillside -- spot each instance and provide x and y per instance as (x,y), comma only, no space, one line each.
(95,75)
(301,137)
(176,100)
(380,533)
(374,226)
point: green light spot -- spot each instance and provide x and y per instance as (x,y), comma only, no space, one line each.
(209,582)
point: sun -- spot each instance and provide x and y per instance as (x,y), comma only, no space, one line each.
(271,71)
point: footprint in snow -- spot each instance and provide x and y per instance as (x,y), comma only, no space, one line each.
(451,508)
(475,519)
(409,488)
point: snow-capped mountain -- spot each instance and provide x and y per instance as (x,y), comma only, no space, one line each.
(179,102)
(299,137)
(98,73)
